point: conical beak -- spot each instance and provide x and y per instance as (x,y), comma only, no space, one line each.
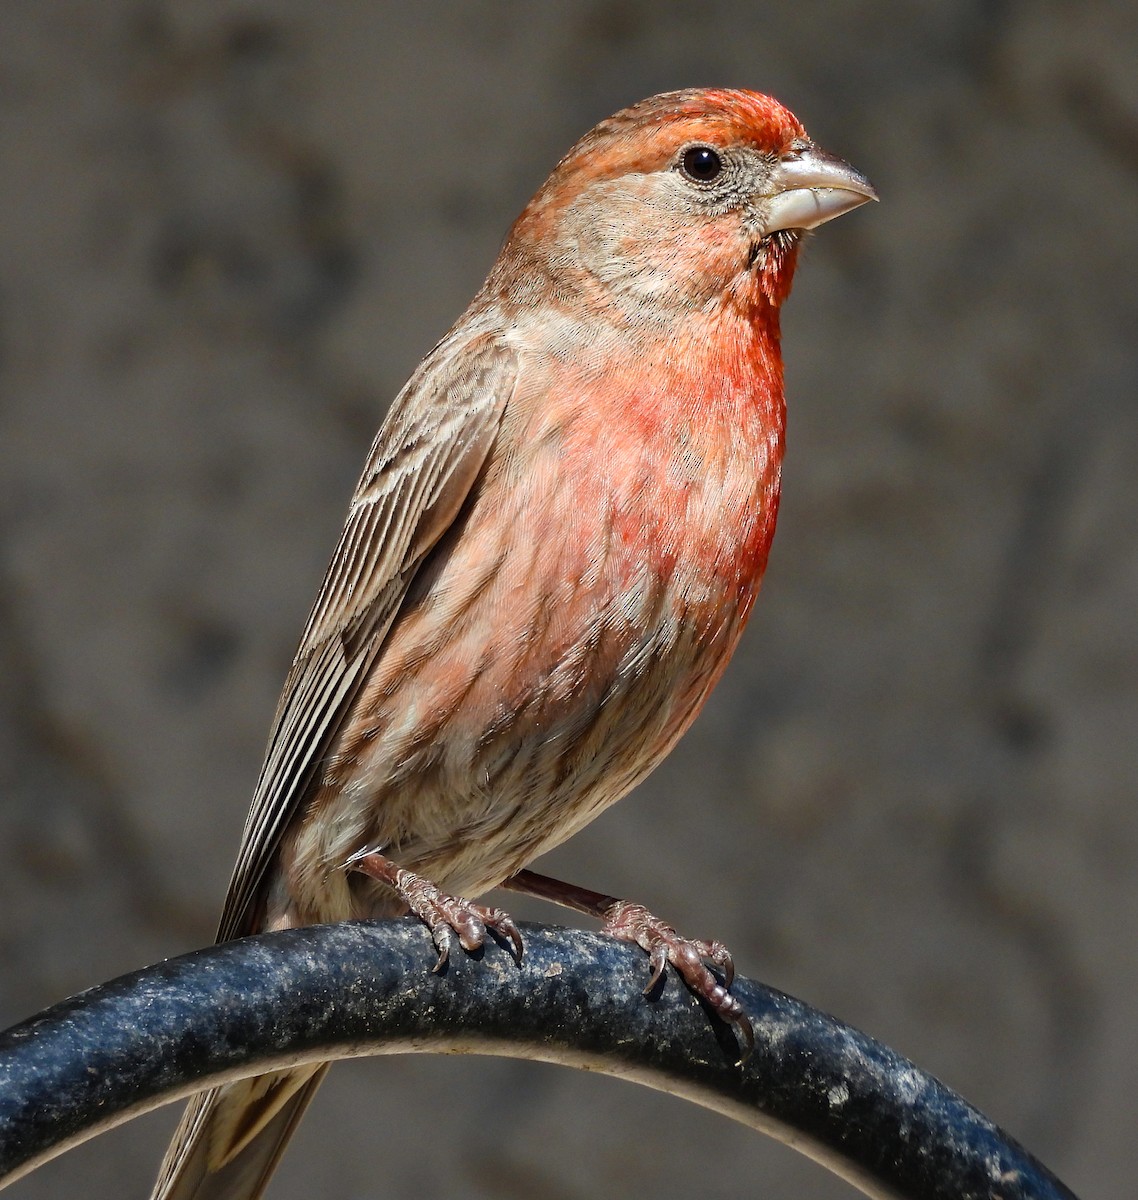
(812,187)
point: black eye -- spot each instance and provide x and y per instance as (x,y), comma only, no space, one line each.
(701,163)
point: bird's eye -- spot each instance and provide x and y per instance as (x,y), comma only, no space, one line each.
(701,164)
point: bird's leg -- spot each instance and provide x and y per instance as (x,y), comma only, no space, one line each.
(447,917)
(630,922)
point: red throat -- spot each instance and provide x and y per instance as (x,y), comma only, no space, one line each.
(776,275)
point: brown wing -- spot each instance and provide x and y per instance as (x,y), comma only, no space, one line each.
(421,467)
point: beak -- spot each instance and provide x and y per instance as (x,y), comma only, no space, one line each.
(810,187)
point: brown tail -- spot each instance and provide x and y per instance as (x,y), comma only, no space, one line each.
(231,1139)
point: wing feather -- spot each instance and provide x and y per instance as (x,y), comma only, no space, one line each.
(423,463)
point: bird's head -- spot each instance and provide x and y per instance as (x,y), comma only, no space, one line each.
(685,200)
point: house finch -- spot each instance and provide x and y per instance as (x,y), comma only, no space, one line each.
(549,558)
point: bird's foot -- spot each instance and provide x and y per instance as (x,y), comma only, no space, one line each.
(630,922)
(447,917)
(634,923)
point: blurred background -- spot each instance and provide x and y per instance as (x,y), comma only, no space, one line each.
(228,231)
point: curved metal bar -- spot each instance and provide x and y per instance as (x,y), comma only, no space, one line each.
(360,988)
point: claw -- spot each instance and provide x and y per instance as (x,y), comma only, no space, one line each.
(442,937)
(447,917)
(720,956)
(633,923)
(657,960)
(499,923)
(728,1009)
(502,924)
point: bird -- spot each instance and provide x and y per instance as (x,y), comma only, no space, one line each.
(550,556)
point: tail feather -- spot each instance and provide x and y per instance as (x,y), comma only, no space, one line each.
(230,1139)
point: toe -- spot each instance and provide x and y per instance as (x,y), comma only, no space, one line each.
(503,925)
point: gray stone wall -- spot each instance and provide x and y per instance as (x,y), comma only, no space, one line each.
(228,232)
